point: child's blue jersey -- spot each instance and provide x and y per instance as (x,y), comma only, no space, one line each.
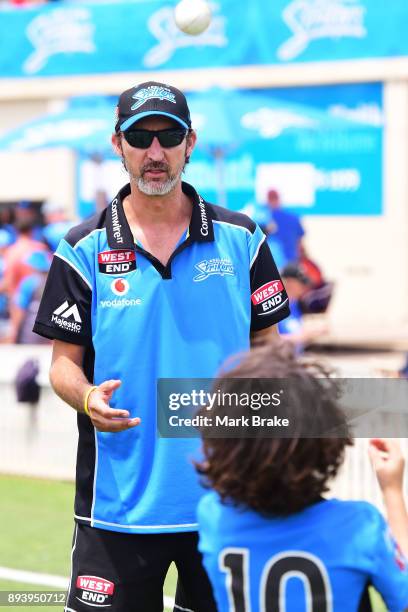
(320,559)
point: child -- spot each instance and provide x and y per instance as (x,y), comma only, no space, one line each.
(271,542)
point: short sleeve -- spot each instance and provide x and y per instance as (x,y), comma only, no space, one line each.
(269,300)
(65,309)
(390,574)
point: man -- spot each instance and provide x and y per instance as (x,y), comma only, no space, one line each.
(158,285)
(284,227)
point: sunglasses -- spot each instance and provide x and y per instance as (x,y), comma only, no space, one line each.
(142,139)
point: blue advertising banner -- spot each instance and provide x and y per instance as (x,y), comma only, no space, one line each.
(320,147)
(129,35)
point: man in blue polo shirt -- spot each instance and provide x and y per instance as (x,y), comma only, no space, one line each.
(161,284)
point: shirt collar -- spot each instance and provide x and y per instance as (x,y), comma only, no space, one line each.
(201,224)
(118,230)
(117,227)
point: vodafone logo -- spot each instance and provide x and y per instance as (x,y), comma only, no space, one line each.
(266,291)
(120,286)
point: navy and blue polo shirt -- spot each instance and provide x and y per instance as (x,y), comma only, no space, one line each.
(140,321)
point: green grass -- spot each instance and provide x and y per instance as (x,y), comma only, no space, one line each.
(36,528)
(36,524)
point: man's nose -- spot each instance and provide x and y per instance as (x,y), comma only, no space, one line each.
(155,151)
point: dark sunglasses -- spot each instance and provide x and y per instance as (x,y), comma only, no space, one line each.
(142,139)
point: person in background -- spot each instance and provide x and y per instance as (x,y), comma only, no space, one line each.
(284,226)
(6,222)
(292,328)
(15,268)
(5,241)
(27,299)
(28,213)
(270,538)
(56,224)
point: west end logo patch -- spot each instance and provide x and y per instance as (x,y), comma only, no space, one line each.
(210,267)
(94,591)
(149,93)
(120,261)
(269,297)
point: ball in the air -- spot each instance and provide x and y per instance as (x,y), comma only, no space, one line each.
(192,16)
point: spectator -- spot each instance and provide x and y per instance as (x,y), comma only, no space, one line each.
(15,267)
(27,300)
(27,212)
(56,224)
(284,226)
(5,242)
(6,222)
(297,284)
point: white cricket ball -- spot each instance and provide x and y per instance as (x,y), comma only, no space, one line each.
(192,16)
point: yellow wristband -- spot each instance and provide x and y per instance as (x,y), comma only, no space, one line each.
(87,394)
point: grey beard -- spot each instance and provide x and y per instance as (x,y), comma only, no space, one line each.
(151,188)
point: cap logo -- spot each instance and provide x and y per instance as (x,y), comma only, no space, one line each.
(149,93)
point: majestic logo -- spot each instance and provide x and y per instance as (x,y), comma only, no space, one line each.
(94,591)
(64,312)
(209,267)
(120,286)
(163,27)
(315,19)
(269,297)
(116,226)
(119,261)
(150,93)
(63,30)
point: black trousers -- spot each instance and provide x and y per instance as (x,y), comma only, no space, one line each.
(120,572)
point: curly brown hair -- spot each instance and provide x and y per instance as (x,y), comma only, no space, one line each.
(278,476)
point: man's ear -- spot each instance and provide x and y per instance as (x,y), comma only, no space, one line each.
(191,141)
(117,144)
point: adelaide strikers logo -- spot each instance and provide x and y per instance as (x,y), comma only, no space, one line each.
(120,286)
(209,267)
(150,93)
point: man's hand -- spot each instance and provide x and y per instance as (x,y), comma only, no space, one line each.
(103,417)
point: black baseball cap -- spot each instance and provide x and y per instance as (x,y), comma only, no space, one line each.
(151,98)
